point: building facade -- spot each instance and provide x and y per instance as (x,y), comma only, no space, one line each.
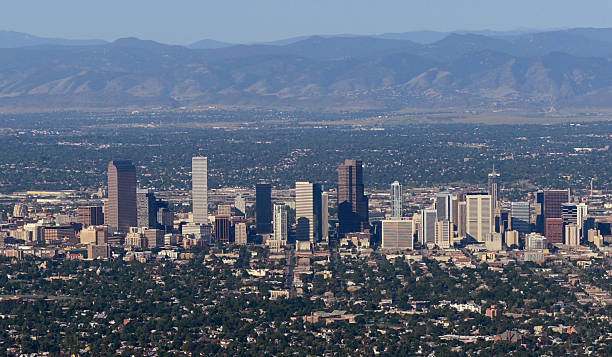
(308,212)
(121,213)
(352,202)
(263,208)
(199,189)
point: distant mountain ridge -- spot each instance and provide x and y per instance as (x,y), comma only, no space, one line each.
(535,70)
(12,39)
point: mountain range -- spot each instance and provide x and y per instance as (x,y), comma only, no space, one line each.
(519,69)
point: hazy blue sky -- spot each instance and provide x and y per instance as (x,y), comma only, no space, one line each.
(186,21)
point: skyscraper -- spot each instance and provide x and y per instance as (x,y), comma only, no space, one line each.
(553,208)
(352,202)
(199,189)
(325,216)
(479,216)
(553,200)
(520,216)
(554,230)
(263,208)
(146,208)
(583,211)
(280,222)
(539,212)
(462,219)
(444,233)
(493,188)
(569,213)
(444,206)
(121,205)
(308,211)
(428,226)
(396,199)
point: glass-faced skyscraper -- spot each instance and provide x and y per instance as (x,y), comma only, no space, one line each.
(121,206)
(396,199)
(444,206)
(199,189)
(352,202)
(308,209)
(263,208)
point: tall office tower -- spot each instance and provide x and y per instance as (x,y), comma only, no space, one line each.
(462,219)
(553,208)
(397,234)
(569,213)
(417,222)
(240,233)
(520,217)
(554,230)
(325,216)
(581,214)
(263,208)
(222,229)
(444,233)
(121,204)
(396,199)
(199,189)
(90,216)
(539,211)
(553,200)
(428,226)
(479,219)
(352,203)
(493,188)
(146,208)
(444,206)
(280,222)
(240,204)
(308,211)
(454,210)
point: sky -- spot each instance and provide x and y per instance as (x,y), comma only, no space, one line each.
(246,21)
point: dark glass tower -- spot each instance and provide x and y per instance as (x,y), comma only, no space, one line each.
(263,208)
(352,203)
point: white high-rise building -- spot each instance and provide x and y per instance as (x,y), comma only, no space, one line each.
(444,234)
(581,213)
(428,226)
(308,211)
(325,217)
(199,189)
(397,234)
(280,223)
(396,199)
(479,216)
